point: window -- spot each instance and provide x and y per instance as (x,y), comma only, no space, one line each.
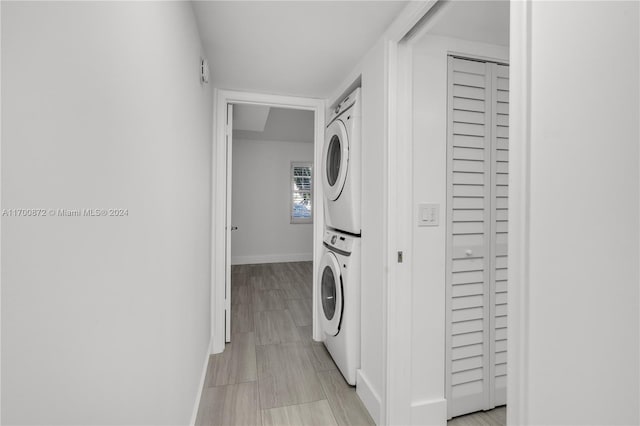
(301,193)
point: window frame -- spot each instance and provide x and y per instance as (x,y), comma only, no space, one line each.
(293,191)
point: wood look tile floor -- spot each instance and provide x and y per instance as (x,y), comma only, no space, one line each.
(272,372)
(495,417)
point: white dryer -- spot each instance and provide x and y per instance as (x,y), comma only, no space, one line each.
(339,278)
(341,170)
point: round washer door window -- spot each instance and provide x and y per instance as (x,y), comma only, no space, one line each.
(330,294)
(334,154)
(335,160)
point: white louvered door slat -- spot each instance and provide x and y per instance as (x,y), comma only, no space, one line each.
(476,235)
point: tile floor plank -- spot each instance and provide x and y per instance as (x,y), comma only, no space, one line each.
(310,414)
(241,294)
(275,327)
(343,400)
(238,276)
(495,417)
(241,319)
(297,290)
(297,284)
(320,357)
(498,415)
(306,334)
(267,279)
(286,376)
(268,300)
(236,364)
(301,311)
(229,405)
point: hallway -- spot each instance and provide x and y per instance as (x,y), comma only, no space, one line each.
(272,373)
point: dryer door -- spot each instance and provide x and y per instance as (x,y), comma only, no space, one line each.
(335,160)
(331,296)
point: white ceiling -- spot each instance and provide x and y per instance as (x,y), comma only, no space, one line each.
(303,48)
(477,20)
(282,124)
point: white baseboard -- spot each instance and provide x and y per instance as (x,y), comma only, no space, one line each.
(369,396)
(203,376)
(271,258)
(430,412)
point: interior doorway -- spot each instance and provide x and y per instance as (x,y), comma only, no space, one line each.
(270,210)
(460,81)
(260,107)
(424,221)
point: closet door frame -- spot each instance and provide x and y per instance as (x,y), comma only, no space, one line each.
(420,409)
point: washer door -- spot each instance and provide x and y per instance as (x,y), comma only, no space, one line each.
(335,160)
(331,294)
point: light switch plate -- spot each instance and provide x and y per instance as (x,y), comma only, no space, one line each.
(428,214)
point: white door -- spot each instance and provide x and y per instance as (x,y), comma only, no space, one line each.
(228,224)
(476,235)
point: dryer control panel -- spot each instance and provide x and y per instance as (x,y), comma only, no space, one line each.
(338,241)
(345,104)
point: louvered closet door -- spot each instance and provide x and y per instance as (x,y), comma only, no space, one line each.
(499,220)
(476,231)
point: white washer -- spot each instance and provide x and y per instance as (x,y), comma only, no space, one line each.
(339,279)
(341,166)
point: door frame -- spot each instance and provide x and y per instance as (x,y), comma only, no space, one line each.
(221,98)
(398,404)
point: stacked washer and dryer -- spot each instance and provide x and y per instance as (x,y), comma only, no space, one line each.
(339,272)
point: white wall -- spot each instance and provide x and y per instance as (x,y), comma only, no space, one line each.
(371,374)
(582,346)
(104,320)
(429,155)
(261,202)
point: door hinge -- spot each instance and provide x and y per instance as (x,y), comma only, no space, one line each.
(400,257)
